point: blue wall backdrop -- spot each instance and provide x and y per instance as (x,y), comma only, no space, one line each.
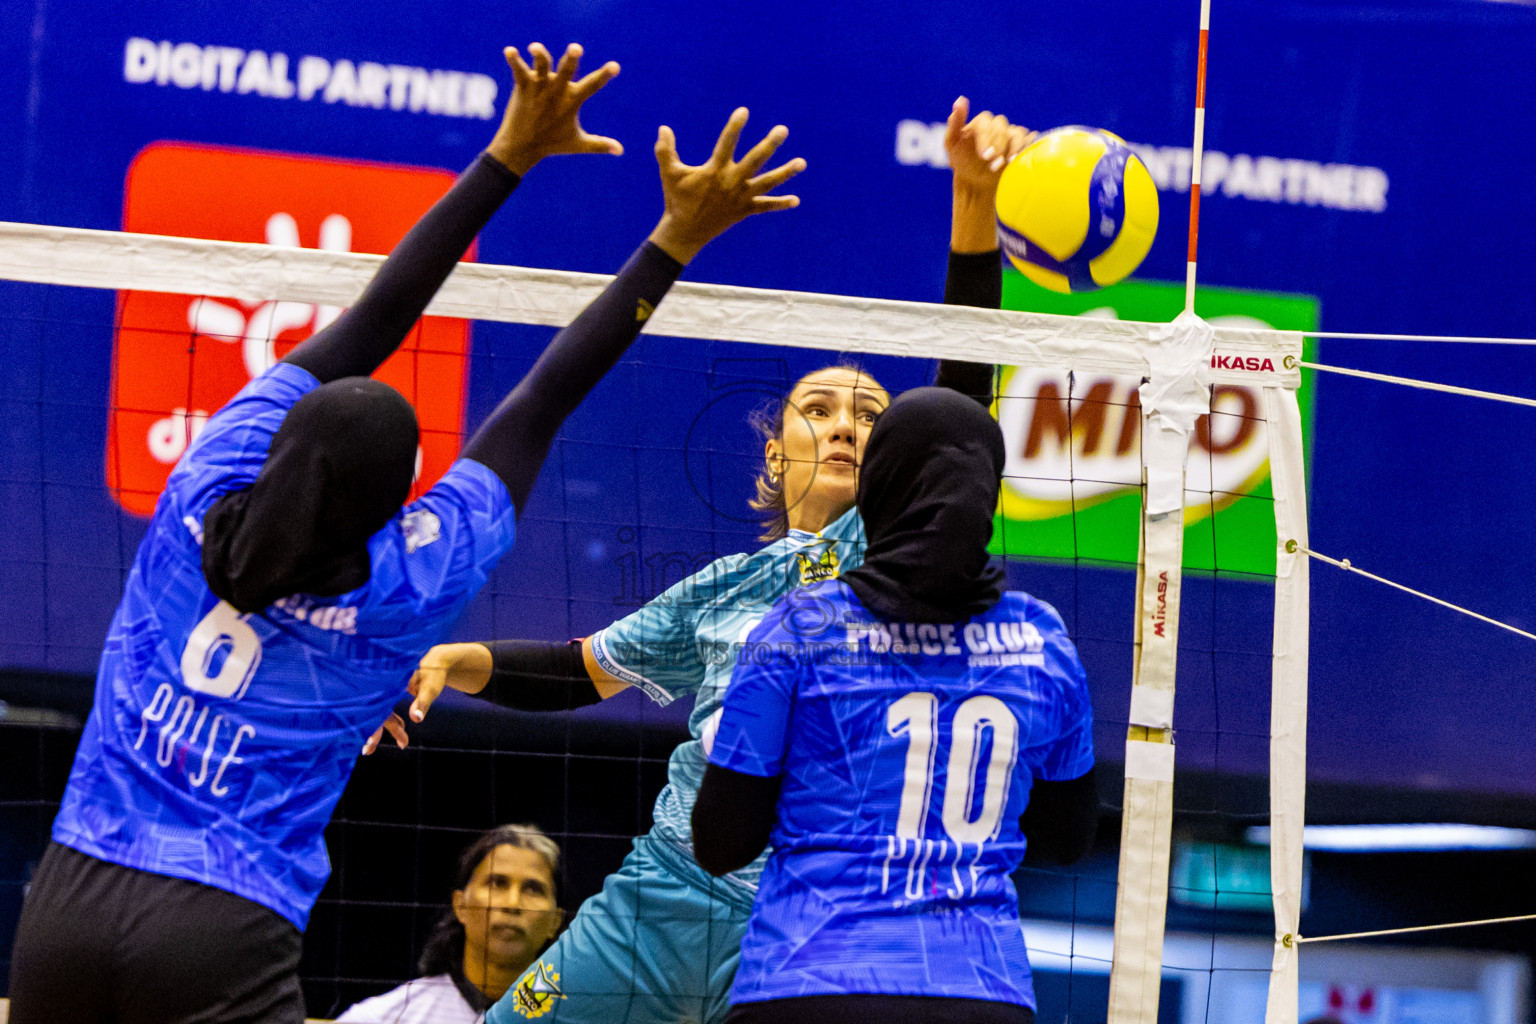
(1376,156)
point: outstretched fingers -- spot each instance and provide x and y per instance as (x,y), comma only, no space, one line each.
(542,116)
(759,154)
(703,201)
(584,88)
(566,70)
(542,61)
(768,204)
(599,144)
(522,74)
(770,180)
(725,145)
(666,149)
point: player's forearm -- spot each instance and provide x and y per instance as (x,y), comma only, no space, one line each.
(733,817)
(973,279)
(1062,818)
(512,443)
(368,333)
(532,675)
(973,221)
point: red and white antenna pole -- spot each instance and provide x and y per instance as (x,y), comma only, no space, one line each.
(1197,158)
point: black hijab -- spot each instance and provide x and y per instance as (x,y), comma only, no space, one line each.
(928,490)
(339,468)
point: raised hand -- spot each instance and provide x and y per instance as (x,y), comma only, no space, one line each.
(703,201)
(541,117)
(980,148)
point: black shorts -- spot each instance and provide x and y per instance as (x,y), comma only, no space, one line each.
(99,943)
(875,1009)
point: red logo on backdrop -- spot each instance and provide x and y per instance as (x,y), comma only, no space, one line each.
(178,358)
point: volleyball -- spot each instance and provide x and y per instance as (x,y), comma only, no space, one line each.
(1076,210)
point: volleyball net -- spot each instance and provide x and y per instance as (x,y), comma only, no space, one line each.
(1155,493)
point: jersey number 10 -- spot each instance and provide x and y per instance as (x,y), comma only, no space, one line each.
(916,717)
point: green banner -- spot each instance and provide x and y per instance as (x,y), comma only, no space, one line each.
(1072,486)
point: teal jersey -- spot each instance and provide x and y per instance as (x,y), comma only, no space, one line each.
(685,641)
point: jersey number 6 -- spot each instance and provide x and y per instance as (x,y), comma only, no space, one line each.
(221,654)
(916,717)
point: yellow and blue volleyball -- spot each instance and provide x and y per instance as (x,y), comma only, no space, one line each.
(1076,210)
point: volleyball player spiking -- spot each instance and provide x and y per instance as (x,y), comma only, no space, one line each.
(660,943)
(284,593)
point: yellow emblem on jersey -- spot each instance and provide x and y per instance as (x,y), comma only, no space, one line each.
(814,570)
(535,995)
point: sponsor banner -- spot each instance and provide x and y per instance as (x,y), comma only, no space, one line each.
(176,359)
(234,69)
(1072,486)
(1267,179)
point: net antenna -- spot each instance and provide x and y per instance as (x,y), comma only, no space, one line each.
(1197,157)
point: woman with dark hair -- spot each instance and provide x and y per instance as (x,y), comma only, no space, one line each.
(796,489)
(504,913)
(660,943)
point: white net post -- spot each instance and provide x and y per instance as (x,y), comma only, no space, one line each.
(1176,393)
(1288,707)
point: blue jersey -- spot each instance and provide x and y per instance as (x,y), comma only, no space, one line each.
(907,752)
(685,642)
(219,743)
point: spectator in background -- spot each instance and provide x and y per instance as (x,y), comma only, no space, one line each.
(504,914)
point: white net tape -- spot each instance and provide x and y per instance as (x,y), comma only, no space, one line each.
(240,270)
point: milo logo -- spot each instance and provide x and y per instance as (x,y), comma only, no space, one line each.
(1072,483)
(1080,441)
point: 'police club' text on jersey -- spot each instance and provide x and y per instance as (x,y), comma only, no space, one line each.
(907,752)
(219,743)
(686,640)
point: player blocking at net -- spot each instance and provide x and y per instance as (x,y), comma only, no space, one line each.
(885,729)
(284,593)
(660,943)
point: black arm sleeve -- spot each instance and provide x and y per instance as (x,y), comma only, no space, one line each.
(974,279)
(1062,818)
(370,330)
(513,441)
(732,818)
(534,675)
